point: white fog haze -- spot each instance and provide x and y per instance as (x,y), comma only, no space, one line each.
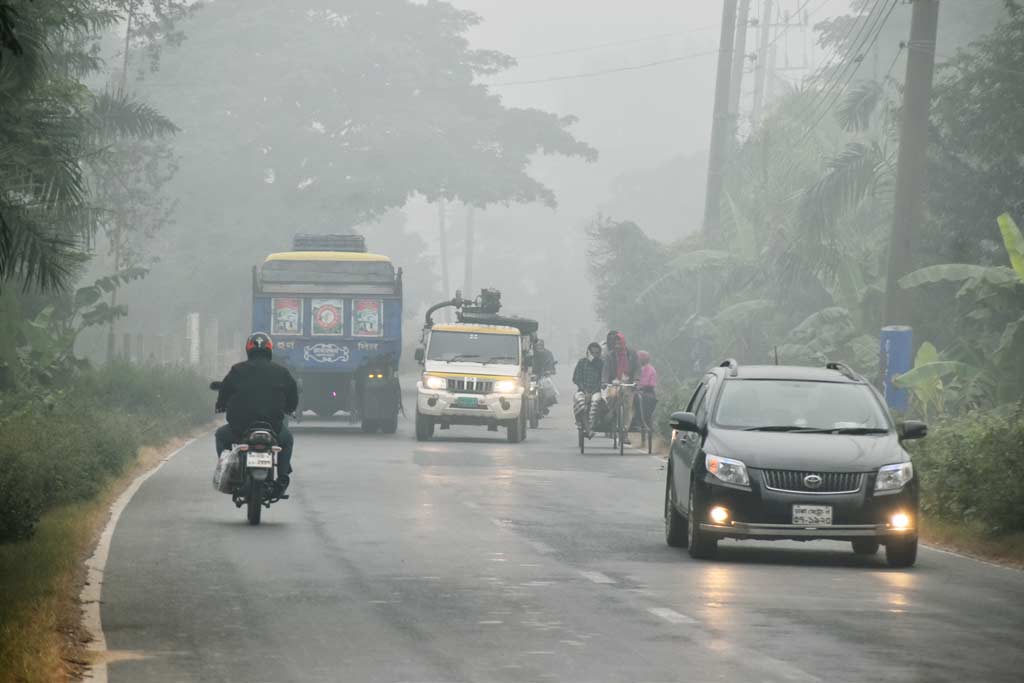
(511,340)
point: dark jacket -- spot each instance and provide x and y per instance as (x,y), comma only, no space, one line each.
(587,375)
(257,390)
(611,363)
(543,362)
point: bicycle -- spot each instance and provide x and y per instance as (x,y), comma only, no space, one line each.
(621,430)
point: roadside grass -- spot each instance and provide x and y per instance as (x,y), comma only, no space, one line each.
(41,636)
(975,541)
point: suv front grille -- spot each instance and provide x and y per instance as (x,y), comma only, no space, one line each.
(794,481)
(470,385)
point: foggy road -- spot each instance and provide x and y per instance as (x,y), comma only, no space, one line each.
(471,559)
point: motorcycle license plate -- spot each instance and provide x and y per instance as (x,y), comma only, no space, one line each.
(466,402)
(812,515)
(259,460)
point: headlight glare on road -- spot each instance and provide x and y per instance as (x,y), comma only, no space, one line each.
(726,469)
(893,477)
(434,382)
(506,386)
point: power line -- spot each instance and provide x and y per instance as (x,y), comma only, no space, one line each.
(848,59)
(786,28)
(616,43)
(592,74)
(858,62)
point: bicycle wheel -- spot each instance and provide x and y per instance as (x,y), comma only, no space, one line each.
(583,440)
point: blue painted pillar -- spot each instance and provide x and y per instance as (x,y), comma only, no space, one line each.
(897,357)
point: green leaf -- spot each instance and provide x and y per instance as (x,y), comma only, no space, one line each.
(958,272)
(928,373)
(1014,241)
(926,354)
(87,296)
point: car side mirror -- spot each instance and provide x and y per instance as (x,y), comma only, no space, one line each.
(683,422)
(419,355)
(913,429)
(215,386)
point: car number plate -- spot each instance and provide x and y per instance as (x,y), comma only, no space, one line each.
(812,515)
(259,460)
(466,402)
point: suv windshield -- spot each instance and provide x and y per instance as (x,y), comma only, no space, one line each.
(473,347)
(793,405)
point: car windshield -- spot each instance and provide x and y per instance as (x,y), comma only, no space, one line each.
(789,405)
(473,347)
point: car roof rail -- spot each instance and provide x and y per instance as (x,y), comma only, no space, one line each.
(733,366)
(845,370)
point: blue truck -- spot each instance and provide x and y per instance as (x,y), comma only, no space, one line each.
(334,312)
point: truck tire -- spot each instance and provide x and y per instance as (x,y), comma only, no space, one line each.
(424,427)
(389,425)
(516,430)
(369,426)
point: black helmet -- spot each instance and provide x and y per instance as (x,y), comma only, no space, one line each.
(259,343)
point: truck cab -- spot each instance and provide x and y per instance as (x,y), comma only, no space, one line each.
(336,320)
(473,374)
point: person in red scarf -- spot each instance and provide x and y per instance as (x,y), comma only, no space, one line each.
(621,364)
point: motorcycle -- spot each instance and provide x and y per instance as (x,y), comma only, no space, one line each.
(249,470)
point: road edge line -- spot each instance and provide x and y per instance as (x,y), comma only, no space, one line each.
(90,598)
(962,556)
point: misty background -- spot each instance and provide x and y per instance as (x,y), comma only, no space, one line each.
(243,183)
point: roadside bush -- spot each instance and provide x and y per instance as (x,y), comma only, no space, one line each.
(972,469)
(63,450)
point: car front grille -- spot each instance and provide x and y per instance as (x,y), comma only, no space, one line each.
(795,481)
(470,385)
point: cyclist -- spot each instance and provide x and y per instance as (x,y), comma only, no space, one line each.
(623,366)
(587,378)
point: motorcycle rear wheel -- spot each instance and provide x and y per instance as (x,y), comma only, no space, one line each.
(254,502)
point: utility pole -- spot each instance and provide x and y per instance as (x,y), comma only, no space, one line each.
(762,60)
(719,124)
(912,162)
(467,286)
(442,243)
(739,60)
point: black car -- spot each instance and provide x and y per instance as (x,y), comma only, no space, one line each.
(782,452)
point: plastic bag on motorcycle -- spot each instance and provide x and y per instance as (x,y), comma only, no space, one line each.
(548,391)
(225,475)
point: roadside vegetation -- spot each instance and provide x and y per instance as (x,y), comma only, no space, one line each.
(798,273)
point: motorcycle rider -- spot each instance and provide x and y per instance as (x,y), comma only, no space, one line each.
(587,378)
(258,390)
(543,366)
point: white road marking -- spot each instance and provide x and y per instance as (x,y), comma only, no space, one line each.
(672,616)
(490,622)
(471,505)
(597,577)
(96,565)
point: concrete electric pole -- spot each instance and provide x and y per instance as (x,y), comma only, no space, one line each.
(760,70)
(911,181)
(739,60)
(720,124)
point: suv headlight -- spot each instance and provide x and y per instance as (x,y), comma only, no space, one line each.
(434,382)
(506,386)
(893,477)
(726,469)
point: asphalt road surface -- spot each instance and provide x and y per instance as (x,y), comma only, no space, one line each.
(471,559)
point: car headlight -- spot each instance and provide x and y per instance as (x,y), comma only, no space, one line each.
(892,477)
(726,469)
(506,386)
(434,382)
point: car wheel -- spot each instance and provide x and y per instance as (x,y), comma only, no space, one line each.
(389,425)
(424,427)
(516,430)
(369,426)
(703,545)
(901,552)
(676,534)
(865,546)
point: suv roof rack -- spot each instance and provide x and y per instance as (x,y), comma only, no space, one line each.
(733,366)
(845,370)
